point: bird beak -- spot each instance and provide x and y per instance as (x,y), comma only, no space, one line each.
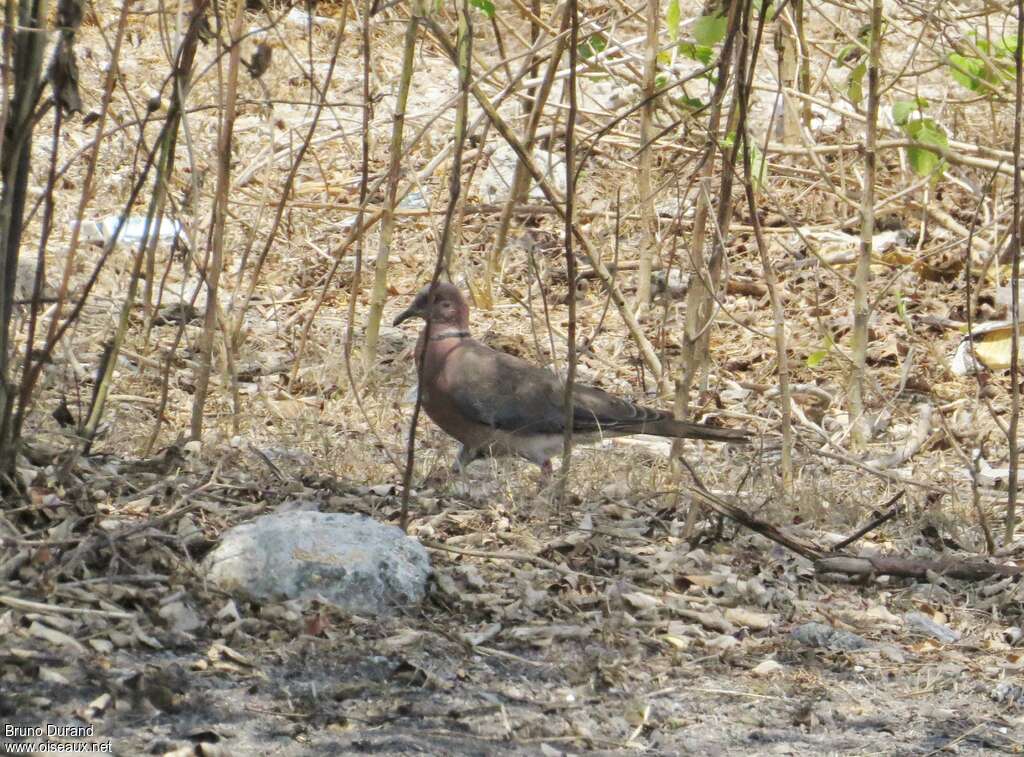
(411,312)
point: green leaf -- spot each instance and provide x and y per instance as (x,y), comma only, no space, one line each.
(660,81)
(922,161)
(1007,46)
(968,72)
(816,358)
(590,47)
(848,54)
(902,109)
(901,311)
(924,130)
(855,84)
(700,53)
(691,103)
(758,166)
(672,19)
(486,6)
(709,30)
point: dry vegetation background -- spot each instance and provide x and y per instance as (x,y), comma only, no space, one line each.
(626,618)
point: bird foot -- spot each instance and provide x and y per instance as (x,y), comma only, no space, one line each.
(440,478)
(546,484)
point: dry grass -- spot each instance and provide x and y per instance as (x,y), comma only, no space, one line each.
(598,625)
(305,402)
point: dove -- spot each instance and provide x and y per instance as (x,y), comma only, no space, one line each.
(496,404)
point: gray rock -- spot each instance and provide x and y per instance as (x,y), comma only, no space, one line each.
(496,182)
(25,282)
(827,637)
(672,283)
(1007,693)
(921,622)
(352,561)
(180,617)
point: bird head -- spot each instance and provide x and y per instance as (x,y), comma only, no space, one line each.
(444,306)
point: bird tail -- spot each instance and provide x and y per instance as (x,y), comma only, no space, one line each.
(685,430)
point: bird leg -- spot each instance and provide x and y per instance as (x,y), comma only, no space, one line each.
(546,471)
(466,456)
(547,478)
(458,469)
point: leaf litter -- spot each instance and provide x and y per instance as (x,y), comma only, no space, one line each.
(595,628)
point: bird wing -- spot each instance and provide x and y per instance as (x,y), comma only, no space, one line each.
(506,393)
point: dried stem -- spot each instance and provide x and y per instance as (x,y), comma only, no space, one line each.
(387,224)
(649,244)
(214,264)
(463,57)
(861,306)
(1015,242)
(570,256)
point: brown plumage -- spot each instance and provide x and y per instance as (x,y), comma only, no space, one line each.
(497,404)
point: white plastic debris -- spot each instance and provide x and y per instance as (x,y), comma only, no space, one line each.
(101,232)
(299,17)
(992,348)
(414,201)
(496,182)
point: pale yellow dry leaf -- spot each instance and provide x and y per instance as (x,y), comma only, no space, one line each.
(55,637)
(994,349)
(641,601)
(766,668)
(757,621)
(722,643)
(637,713)
(224,652)
(51,675)
(706,581)
(679,642)
(401,639)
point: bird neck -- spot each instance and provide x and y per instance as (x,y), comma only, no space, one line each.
(450,334)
